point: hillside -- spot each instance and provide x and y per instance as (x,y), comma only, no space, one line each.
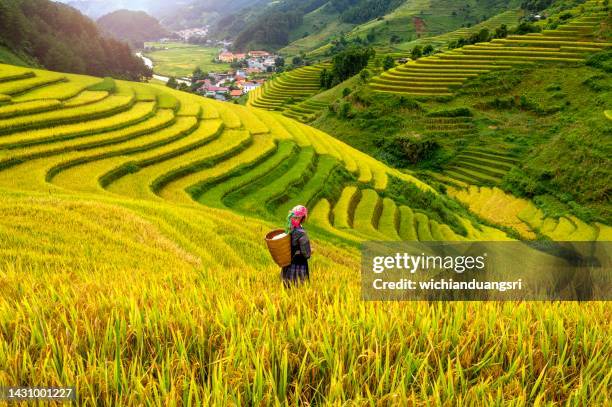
(95,9)
(132,258)
(392,28)
(133,27)
(55,36)
(520,120)
(198,151)
(220,15)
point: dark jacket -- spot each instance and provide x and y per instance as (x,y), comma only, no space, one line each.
(300,246)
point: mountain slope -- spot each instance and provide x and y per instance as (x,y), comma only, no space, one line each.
(58,37)
(408,21)
(525,114)
(132,220)
(134,27)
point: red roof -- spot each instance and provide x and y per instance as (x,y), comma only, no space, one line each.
(236,93)
(215,88)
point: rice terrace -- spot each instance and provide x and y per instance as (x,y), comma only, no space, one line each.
(133,264)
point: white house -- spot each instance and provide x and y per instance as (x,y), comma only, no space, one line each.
(249,86)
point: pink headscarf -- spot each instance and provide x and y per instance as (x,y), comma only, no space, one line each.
(295,217)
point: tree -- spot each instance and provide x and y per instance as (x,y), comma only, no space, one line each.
(348,63)
(388,62)
(371,37)
(501,31)
(428,50)
(172,83)
(58,37)
(325,79)
(297,60)
(198,74)
(279,62)
(364,75)
(417,52)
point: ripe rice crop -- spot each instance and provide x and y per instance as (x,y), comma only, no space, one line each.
(156,168)
(407,230)
(254,199)
(70,87)
(387,225)
(212,192)
(344,208)
(139,295)
(106,107)
(366,215)
(85,98)
(139,112)
(309,193)
(26,108)
(422,227)
(23,85)
(163,118)
(199,185)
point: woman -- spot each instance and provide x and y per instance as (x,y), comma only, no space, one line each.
(297,271)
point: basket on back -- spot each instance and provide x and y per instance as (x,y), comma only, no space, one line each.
(279,245)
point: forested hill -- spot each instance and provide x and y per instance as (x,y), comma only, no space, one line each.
(60,38)
(136,27)
(310,24)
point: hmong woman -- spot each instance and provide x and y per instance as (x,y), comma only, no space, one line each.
(297,271)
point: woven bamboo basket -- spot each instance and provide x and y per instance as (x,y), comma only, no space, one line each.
(280,248)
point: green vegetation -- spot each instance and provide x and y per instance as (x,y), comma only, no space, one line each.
(180,59)
(134,27)
(480,128)
(346,64)
(58,37)
(288,88)
(133,216)
(400,26)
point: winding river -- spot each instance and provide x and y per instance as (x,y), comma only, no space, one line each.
(148,62)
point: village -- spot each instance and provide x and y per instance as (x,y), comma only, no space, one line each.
(249,71)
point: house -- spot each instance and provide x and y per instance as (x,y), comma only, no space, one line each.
(251,71)
(213,89)
(258,54)
(249,86)
(236,93)
(230,57)
(226,57)
(269,62)
(255,64)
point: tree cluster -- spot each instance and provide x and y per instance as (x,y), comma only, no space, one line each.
(346,64)
(271,29)
(485,35)
(60,38)
(135,27)
(360,11)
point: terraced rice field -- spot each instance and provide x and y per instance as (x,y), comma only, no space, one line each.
(510,18)
(479,166)
(523,216)
(441,74)
(288,89)
(149,142)
(305,111)
(123,272)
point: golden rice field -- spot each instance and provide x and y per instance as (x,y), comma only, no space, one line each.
(133,266)
(439,75)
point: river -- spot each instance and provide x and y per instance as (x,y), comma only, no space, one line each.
(148,62)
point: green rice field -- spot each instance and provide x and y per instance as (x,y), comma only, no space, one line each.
(180,59)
